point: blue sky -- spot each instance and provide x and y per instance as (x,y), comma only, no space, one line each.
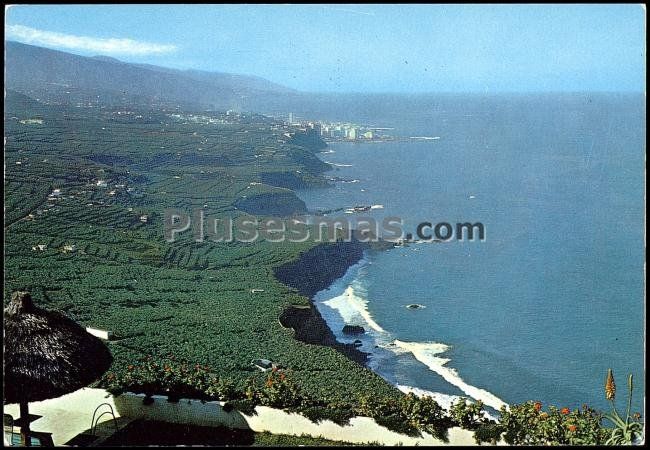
(363,48)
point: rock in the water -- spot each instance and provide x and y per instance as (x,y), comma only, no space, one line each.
(353,329)
(415,306)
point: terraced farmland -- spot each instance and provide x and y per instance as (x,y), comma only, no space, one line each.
(85,194)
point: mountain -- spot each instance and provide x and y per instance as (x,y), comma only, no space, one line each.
(58,77)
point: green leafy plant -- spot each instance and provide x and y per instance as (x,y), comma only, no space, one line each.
(279,390)
(488,433)
(466,414)
(528,424)
(626,429)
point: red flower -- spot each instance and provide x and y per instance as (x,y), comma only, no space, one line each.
(572,428)
(538,406)
(565,411)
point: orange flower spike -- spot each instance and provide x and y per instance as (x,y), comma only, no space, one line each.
(565,411)
(610,386)
(538,406)
(572,428)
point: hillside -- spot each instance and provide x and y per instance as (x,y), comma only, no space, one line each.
(64,78)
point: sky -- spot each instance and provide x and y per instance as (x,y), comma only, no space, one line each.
(363,48)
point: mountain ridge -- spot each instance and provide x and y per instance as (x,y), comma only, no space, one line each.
(54,76)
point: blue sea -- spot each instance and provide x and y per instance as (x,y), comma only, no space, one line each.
(554,295)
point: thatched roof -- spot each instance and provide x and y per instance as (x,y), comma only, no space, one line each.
(46,354)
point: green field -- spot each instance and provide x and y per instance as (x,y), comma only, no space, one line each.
(187,299)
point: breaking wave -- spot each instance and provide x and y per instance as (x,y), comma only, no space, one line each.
(428,354)
(351,307)
(346,302)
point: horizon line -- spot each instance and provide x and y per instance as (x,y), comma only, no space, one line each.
(329,92)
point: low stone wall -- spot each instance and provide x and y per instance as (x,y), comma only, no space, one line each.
(360,429)
(70,415)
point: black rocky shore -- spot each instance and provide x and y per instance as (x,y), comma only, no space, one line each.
(313,271)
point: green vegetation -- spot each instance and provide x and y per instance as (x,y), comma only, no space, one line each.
(192,300)
(279,440)
(85,191)
(407,414)
(524,424)
(628,429)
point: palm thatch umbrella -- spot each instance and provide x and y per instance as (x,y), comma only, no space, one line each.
(46,355)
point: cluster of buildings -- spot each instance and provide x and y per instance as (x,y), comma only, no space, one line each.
(199,118)
(345,131)
(339,131)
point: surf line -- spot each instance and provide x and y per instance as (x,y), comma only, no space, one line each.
(427,353)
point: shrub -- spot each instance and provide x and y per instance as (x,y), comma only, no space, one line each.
(279,390)
(222,389)
(467,415)
(488,433)
(388,413)
(166,377)
(409,415)
(338,414)
(527,424)
(425,414)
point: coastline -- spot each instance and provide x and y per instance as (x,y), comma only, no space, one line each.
(313,271)
(318,269)
(325,274)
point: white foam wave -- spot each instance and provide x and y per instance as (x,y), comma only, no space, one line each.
(427,353)
(427,241)
(338,164)
(351,307)
(444,400)
(349,181)
(377,207)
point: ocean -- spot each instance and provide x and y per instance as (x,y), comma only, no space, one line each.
(554,295)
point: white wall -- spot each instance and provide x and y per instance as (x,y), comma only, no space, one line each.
(360,430)
(68,416)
